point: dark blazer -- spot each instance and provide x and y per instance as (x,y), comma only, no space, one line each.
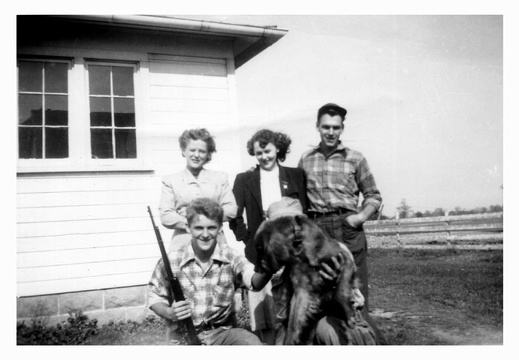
(247,191)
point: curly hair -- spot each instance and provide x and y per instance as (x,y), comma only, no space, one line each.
(279,140)
(204,206)
(198,134)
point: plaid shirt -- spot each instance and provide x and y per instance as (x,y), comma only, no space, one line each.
(210,293)
(335,181)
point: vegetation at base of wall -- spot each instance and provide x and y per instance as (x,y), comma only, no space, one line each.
(74,331)
(150,331)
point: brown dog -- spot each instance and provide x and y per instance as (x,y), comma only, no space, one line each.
(299,245)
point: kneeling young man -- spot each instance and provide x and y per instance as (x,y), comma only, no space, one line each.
(209,274)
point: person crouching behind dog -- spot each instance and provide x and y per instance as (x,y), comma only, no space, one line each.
(329,330)
(209,272)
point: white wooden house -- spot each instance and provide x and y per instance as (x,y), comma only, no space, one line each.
(101,103)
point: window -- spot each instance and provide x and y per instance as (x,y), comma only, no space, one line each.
(112,112)
(77,114)
(43,110)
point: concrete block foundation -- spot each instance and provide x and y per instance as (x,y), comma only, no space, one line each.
(121,304)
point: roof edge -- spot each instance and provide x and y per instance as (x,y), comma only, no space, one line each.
(267,35)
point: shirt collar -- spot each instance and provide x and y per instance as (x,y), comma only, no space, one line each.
(218,255)
(339,148)
(189,178)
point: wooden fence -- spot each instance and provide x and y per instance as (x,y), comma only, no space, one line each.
(477,231)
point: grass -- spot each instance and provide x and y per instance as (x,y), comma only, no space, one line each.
(417,297)
(437,296)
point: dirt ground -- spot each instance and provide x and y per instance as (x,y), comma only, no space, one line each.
(430,333)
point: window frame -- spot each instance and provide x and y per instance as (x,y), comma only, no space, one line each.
(79,159)
(112,98)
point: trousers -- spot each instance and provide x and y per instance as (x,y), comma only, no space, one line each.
(338,228)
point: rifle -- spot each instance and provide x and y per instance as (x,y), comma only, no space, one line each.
(175,291)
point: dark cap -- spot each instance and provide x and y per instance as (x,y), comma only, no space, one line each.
(333,108)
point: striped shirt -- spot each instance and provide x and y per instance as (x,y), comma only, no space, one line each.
(209,292)
(335,181)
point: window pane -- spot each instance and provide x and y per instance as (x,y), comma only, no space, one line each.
(123,81)
(125,144)
(56,77)
(100,112)
(124,112)
(29,109)
(56,143)
(29,143)
(101,142)
(30,76)
(56,110)
(99,79)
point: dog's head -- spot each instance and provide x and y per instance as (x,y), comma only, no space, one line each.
(278,242)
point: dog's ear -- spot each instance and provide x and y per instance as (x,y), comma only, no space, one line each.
(261,241)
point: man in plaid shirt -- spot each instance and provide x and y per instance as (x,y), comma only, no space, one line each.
(208,274)
(335,176)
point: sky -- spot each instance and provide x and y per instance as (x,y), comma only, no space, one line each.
(424,95)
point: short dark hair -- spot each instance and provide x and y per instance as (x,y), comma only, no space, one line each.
(264,137)
(204,206)
(198,134)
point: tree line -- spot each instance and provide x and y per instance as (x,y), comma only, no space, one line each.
(404,210)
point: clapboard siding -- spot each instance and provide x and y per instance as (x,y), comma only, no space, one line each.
(71,183)
(189,93)
(163,70)
(78,271)
(130,278)
(75,231)
(188,87)
(87,226)
(85,256)
(87,198)
(81,213)
(161,120)
(85,241)
(92,240)
(183,105)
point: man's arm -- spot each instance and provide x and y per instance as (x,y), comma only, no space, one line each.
(368,188)
(179,310)
(259,280)
(237,225)
(169,217)
(360,218)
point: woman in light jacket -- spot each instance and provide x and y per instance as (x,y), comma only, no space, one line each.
(179,189)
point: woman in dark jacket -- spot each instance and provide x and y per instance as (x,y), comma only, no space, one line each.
(254,191)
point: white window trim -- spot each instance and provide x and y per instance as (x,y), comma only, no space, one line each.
(79,127)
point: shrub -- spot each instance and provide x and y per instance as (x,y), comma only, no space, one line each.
(74,331)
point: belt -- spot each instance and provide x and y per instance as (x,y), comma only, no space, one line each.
(206,326)
(316,215)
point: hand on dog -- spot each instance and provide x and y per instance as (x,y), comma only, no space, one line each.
(331,273)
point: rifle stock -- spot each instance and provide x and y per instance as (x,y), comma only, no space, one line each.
(175,290)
